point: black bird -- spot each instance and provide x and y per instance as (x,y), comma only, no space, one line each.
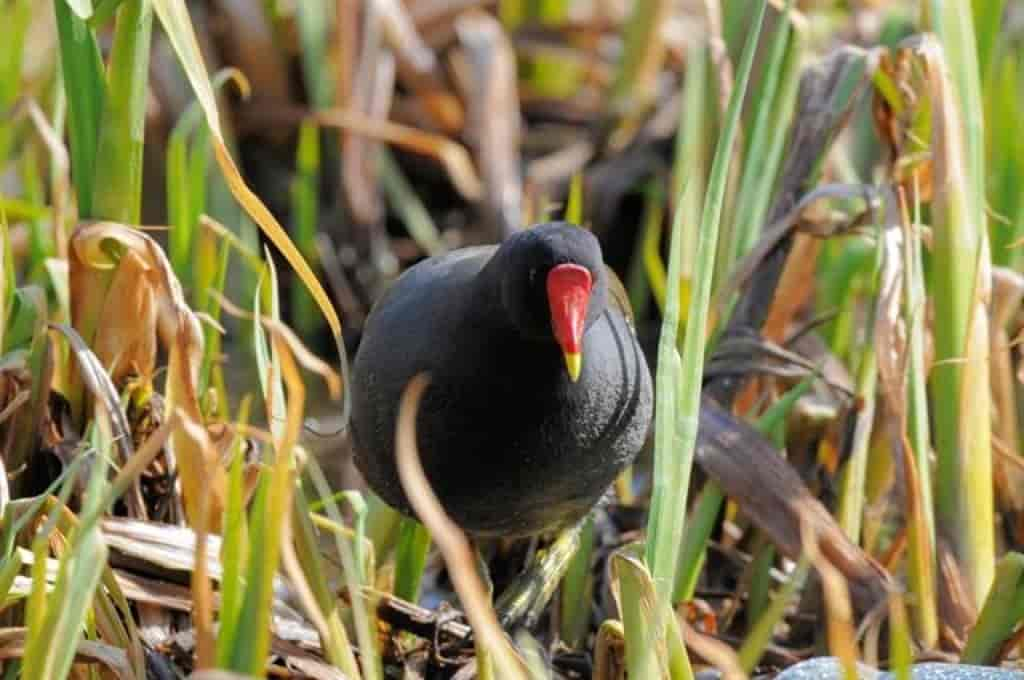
(539,393)
(539,396)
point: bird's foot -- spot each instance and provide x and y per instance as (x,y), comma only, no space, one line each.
(522,604)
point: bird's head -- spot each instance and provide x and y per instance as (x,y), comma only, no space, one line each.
(553,286)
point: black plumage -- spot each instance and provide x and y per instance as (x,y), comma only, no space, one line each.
(511,445)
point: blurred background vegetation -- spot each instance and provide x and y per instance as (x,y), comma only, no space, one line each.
(815,206)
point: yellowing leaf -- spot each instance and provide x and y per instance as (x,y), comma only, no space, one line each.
(177,25)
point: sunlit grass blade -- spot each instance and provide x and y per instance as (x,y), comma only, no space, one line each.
(921,519)
(234,548)
(761,634)
(765,145)
(86,88)
(460,559)
(81,568)
(578,589)
(988,18)
(335,639)
(674,455)
(960,282)
(689,166)
(305,199)
(1000,614)
(174,18)
(709,504)
(314,19)
(17,14)
(117,194)
(901,651)
(850,512)
(357,568)
(646,649)
(411,558)
(7,282)
(271,510)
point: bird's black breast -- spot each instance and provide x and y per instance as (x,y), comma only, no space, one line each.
(510,445)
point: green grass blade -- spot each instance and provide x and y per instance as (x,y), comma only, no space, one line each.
(578,589)
(86,88)
(692,554)
(1001,613)
(234,549)
(988,18)
(305,196)
(314,21)
(307,548)
(413,546)
(767,153)
(403,198)
(746,223)
(921,565)
(118,169)
(17,14)
(646,648)
(673,465)
(761,634)
(364,614)
(248,652)
(960,271)
(7,282)
(901,647)
(850,513)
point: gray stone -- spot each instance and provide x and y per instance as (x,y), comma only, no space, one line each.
(709,674)
(825,668)
(952,671)
(828,668)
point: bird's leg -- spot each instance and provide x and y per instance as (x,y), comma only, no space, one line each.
(523,602)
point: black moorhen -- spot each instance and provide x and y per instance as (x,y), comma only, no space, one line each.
(539,394)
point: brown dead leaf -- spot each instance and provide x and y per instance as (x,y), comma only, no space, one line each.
(901,118)
(776,500)
(119,264)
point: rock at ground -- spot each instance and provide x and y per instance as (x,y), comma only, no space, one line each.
(828,668)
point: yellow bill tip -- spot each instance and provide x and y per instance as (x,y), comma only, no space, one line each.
(574,364)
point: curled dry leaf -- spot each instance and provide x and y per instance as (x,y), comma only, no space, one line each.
(124,291)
